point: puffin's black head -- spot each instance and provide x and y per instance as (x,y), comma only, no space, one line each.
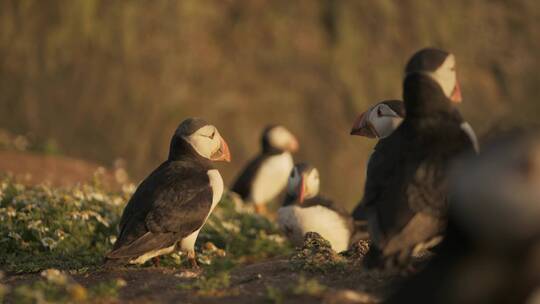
(380,120)
(303,182)
(435,66)
(276,138)
(194,136)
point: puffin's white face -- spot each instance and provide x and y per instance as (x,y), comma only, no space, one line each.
(281,138)
(384,120)
(379,121)
(446,77)
(209,144)
(304,184)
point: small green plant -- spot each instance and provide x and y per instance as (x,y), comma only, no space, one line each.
(44,227)
(274,295)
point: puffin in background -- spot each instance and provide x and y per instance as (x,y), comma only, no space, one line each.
(304,210)
(379,121)
(491,250)
(265,177)
(406,188)
(171,205)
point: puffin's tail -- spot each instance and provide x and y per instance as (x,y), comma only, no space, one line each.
(146,243)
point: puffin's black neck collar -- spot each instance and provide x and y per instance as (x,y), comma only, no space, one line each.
(290,199)
(424,98)
(267,148)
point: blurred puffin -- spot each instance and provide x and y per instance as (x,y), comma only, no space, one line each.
(304,210)
(265,177)
(380,120)
(171,205)
(491,251)
(405,193)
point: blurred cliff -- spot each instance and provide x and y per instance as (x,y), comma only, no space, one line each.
(99,80)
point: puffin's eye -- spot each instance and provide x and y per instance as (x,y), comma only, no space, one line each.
(379,112)
(212,136)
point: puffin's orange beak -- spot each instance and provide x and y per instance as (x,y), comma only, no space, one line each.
(456,94)
(293,145)
(302,190)
(223,153)
(362,127)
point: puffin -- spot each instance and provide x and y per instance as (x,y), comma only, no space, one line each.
(406,195)
(304,210)
(491,249)
(380,120)
(172,204)
(265,176)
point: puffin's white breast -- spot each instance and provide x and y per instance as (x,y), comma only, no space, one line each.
(296,222)
(271,178)
(216,182)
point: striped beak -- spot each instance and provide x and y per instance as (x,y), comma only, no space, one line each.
(223,154)
(456,94)
(362,127)
(302,190)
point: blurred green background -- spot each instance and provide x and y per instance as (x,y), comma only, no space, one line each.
(100,80)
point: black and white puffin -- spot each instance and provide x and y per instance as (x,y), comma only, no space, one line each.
(406,188)
(380,120)
(171,205)
(491,250)
(304,210)
(265,177)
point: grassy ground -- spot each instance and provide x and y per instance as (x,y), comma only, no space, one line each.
(53,241)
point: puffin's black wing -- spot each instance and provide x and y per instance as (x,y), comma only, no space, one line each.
(384,199)
(170,204)
(242,185)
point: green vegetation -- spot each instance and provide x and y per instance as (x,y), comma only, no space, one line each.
(71,229)
(43,227)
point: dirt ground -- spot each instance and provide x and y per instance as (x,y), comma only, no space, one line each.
(249,284)
(29,168)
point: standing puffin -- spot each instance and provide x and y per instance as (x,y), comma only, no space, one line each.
(305,211)
(266,175)
(406,188)
(171,205)
(380,120)
(491,250)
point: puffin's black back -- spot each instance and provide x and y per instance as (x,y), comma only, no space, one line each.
(407,171)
